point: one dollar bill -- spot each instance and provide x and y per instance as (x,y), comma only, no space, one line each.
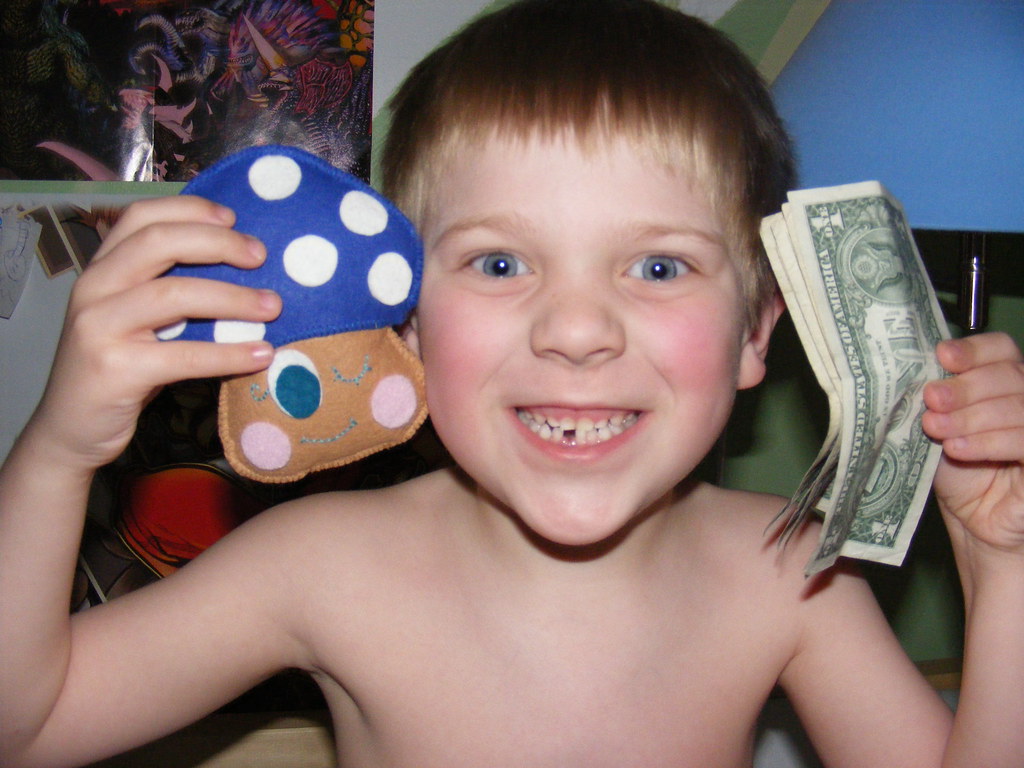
(869,321)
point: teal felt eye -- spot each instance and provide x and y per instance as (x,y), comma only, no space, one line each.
(298,392)
(295,384)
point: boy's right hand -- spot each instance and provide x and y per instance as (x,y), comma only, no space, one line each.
(109,363)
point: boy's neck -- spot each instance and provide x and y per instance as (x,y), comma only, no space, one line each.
(508,545)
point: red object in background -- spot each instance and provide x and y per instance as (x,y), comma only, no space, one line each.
(169,516)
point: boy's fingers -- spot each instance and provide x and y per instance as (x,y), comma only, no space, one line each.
(1005,413)
(168,300)
(181,360)
(1004,378)
(179,208)
(1003,445)
(150,252)
(959,355)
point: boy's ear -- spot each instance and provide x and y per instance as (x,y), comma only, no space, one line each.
(755,348)
(410,333)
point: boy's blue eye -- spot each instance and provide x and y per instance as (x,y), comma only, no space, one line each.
(499,265)
(658,268)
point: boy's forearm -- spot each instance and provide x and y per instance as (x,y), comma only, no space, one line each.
(988,726)
(42,512)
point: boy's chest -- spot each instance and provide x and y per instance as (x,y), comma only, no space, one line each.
(683,689)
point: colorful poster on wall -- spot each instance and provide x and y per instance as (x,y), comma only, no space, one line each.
(156,90)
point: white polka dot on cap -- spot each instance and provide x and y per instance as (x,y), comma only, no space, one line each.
(310,260)
(390,279)
(363,214)
(172,331)
(275,177)
(228,331)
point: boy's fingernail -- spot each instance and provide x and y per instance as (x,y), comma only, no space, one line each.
(956,444)
(953,345)
(941,392)
(256,249)
(224,214)
(268,299)
(262,353)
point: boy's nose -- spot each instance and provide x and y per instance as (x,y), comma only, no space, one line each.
(576,328)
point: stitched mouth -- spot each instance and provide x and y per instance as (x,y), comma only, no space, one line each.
(569,430)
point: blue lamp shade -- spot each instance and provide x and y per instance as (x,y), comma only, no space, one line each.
(925,96)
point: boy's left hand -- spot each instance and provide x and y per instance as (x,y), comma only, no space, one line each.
(978,416)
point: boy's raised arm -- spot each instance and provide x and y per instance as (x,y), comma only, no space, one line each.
(859,697)
(55,671)
(978,415)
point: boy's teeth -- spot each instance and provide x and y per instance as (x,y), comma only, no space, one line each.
(582,431)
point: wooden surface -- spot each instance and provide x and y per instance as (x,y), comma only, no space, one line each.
(292,740)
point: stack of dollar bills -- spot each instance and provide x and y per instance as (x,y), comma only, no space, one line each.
(868,319)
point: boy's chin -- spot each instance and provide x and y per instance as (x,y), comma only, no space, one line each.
(575,530)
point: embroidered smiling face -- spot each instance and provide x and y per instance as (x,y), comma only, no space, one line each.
(323,402)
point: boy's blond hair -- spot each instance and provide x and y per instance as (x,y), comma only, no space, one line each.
(672,86)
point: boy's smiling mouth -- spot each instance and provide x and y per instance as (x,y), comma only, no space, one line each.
(571,430)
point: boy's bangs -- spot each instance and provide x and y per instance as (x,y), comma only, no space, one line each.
(661,124)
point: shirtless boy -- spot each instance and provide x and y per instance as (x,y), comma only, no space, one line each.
(588,178)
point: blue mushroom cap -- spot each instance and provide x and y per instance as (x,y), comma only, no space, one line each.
(342,257)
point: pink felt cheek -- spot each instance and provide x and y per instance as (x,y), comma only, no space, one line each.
(265,446)
(393,402)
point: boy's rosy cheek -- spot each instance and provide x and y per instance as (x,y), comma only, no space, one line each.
(450,332)
(699,350)
(449,355)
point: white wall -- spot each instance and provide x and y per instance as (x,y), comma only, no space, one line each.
(406,30)
(27,342)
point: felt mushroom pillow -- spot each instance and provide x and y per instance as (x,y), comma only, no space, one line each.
(347,264)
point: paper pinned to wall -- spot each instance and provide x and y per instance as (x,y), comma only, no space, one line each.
(19,235)
(61,223)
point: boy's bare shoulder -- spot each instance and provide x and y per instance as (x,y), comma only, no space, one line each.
(738,550)
(739,528)
(340,556)
(761,585)
(350,521)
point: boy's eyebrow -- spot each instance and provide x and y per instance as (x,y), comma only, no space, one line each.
(643,229)
(503,222)
(637,230)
